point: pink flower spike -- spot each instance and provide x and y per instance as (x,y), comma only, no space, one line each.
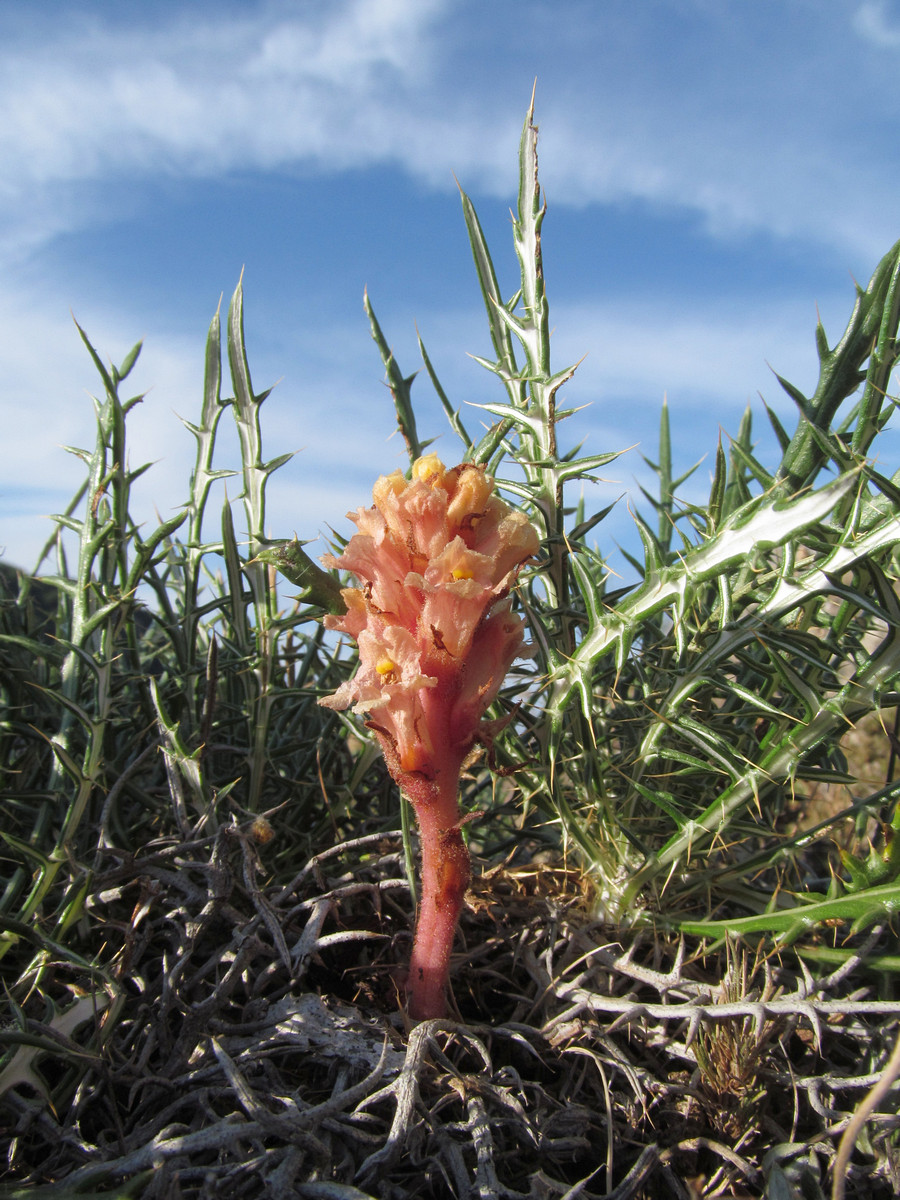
(435,557)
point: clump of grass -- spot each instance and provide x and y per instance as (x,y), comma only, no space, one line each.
(161,688)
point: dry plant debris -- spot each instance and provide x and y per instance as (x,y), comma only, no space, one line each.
(246,1043)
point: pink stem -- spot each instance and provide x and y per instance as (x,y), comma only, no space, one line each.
(445,877)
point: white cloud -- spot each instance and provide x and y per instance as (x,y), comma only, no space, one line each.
(735,124)
(741,169)
(727,123)
(324,414)
(206,96)
(195,98)
(347,48)
(642,350)
(46,387)
(878,25)
(331,408)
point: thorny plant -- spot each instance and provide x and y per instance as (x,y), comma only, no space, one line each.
(670,729)
(158,680)
(238,1066)
(732,1055)
(160,716)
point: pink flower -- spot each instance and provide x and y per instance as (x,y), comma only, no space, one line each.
(435,558)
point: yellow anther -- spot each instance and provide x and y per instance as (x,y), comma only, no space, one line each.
(428,469)
(384,666)
(461,573)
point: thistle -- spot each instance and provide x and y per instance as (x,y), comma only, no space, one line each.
(436,558)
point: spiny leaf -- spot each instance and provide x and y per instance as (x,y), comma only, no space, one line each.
(860,907)
(490,290)
(452,414)
(779,430)
(717,489)
(399,385)
(318,586)
(796,395)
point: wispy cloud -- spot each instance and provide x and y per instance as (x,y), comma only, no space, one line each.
(754,121)
(88,101)
(746,122)
(327,406)
(640,350)
(331,408)
(201,95)
(673,106)
(876,23)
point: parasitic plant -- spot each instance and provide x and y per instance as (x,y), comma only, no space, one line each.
(436,557)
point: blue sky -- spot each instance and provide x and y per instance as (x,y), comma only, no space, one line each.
(715,171)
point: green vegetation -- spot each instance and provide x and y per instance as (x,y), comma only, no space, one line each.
(669,968)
